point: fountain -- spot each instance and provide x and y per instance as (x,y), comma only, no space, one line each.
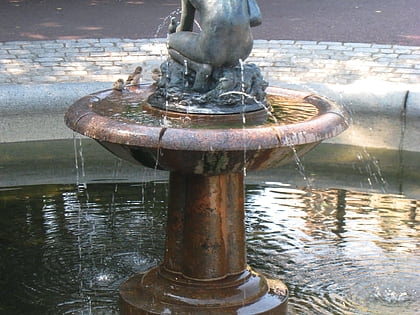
(207,121)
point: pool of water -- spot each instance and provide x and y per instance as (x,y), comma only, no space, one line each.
(344,237)
(285,109)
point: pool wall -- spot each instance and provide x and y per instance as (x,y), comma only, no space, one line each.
(328,165)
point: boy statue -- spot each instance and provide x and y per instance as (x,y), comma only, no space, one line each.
(224,39)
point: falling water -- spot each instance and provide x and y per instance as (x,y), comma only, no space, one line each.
(369,165)
(166,20)
(81,247)
(241,63)
(76,159)
(186,68)
(82,218)
(118,163)
(165,122)
(79,166)
(301,167)
(186,71)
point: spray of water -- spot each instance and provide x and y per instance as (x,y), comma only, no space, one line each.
(79,162)
(369,165)
(118,164)
(241,63)
(301,167)
(166,21)
(76,159)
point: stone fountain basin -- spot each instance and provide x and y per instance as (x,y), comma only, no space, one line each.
(205,150)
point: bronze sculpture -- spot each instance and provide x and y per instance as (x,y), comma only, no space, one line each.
(225,35)
(206,69)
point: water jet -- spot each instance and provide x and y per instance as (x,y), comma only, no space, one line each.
(207,127)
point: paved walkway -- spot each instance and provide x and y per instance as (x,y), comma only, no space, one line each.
(353,21)
(300,62)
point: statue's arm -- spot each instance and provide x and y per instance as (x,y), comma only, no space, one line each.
(255,17)
(187,17)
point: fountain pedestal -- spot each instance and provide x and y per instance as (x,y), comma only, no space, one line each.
(204,270)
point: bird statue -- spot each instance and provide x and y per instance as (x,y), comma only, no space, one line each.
(172,25)
(135,77)
(156,75)
(118,85)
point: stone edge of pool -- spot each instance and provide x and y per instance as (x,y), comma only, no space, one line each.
(385,115)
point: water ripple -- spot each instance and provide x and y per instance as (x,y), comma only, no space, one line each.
(340,252)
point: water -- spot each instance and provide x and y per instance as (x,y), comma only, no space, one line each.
(339,251)
(64,253)
(343,247)
(163,26)
(285,110)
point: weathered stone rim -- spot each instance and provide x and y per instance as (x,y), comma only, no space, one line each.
(330,121)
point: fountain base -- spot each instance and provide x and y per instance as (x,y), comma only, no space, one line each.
(204,270)
(162,292)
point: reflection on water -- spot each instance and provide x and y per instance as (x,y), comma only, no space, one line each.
(340,252)
(67,250)
(130,107)
(289,110)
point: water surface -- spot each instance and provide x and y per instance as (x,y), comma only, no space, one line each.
(66,249)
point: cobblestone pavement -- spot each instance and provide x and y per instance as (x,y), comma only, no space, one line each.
(103,60)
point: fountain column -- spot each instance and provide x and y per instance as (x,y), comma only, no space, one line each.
(206,233)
